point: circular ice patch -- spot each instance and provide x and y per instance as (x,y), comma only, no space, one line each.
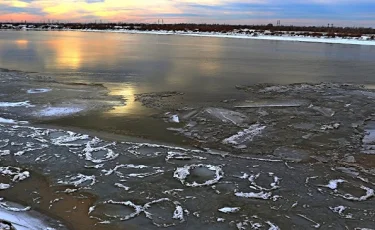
(182,173)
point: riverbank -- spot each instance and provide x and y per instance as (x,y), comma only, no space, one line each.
(295,156)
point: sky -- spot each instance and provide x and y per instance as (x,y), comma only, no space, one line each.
(290,12)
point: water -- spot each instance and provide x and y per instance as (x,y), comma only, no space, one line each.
(194,64)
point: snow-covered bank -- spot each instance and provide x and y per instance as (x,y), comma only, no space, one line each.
(297,38)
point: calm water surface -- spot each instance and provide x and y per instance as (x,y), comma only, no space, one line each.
(202,67)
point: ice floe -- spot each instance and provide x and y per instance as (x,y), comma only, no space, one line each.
(226,116)
(182,173)
(245,135)
(340,210)
(229,209)
(41,90)
(146,209)
(256,195)
(107,153)
(58,111)
(17,173)
(333,184)
(16,104)
(80,180)
(4,186)
(11,121)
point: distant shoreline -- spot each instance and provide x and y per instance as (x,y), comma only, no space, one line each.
(306,39)
(363,40)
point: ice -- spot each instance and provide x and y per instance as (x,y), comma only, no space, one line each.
(272,226)
(316,225)
(324,111)
(220,220)
(21,176)
(260,195)
(229,210)
(368,140)
(340,210)
(330,127)
(108,153)
(122,186)
(290,154)
(4,152)
(68,139)
(178,214)
(11,121)
(226,116)
(20,219)
(175,119)
(274,185)
(16,104)
(260,36)
(4,186)
(58,111)
(245,135)
(273,103)
(35,91)
(368,195)
(333,184)
(17,173)
(182,173)
(80,180)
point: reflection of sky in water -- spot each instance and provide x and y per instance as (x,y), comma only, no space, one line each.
(204,66)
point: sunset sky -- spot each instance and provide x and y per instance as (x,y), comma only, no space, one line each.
(297,12)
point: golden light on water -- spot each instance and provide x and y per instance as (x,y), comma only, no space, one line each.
(22,44)
(127,92)
(68,53)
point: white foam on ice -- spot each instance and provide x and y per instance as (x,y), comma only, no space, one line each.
(78,180)
(20,218)
(35,91)
(245,135)
(122,186)
(58,111)
(229,209)
(182,173)
(16,104)
(260,195)
(316,225)
(66,140)
(273,186)
(340,210)
(4,186)
(89,150)
(333,184)
(16,173)
(4,152)
(178,213)
(175,119)
(11,121)
(368,195)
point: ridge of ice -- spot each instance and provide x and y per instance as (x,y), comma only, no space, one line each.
(11,121)
(229,209)
(260,195)
(35,91)
(244,135)
(16,104)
